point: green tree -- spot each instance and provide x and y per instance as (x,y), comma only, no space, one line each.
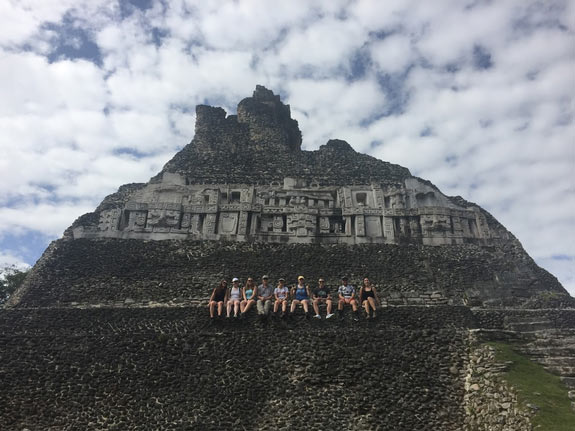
(11,278)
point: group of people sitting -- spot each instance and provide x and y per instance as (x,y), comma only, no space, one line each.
(240,299)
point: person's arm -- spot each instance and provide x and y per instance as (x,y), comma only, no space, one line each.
(260,297)
(360,292)
(276,294)
(226,297)
(352,293)
(307,290)
(340,294)
(313,295)
(244,293)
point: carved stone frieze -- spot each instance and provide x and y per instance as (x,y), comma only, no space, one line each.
(296,212)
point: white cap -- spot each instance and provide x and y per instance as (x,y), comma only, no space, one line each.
(235,279)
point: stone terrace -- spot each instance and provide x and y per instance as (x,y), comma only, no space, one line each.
(116,272)
(164,368)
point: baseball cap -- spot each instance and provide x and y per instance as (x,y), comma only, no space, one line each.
(264,277)
(301,277)
(235,279)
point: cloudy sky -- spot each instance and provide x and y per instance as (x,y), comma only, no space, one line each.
(476,96)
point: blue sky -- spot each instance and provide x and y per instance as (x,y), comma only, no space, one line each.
(476,96)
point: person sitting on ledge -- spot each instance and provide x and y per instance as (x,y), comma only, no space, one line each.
(281,294)
(218,298)
(368,297)
(346,294)
(249,297)
(235,297)
(321,295)
(301,295)
(264,294)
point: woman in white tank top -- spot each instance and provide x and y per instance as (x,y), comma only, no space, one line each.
(235,298)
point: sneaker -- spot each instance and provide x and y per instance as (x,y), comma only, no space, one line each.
(317,316)
(373,314)
(355,317)
(330,315)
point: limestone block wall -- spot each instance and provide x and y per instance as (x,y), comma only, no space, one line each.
(116,272)
(163,368)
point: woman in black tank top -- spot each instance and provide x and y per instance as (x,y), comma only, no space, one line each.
(218,298)
(368,297)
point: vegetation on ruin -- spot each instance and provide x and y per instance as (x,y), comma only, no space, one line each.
(537,387)
(11,278)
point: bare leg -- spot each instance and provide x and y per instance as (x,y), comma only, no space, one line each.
(371,302)
(249,305)
(328,302)
(305,304)
(276,306)
(366,306)
(236,308)
(284,306)
(212,306)
(293,305)
(315,306)
(220,308)
(354,305)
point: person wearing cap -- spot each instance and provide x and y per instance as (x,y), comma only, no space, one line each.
(218,298)
(264,297)
(321,295)
(249,296)
(234,298)
(346,294)
(300,294)
(281,294)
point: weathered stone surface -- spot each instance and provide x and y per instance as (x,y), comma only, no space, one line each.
(163,368)
(104,271)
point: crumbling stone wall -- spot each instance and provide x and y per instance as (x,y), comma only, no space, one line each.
(111,271)
(163,368)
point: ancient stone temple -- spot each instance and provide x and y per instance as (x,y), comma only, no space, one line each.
(110,329)
(330,196)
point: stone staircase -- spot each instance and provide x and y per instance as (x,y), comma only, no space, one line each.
(549,345)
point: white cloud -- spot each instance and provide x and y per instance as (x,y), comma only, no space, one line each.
(11,260)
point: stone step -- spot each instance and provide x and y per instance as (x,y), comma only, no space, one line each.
(544,351)
(530,326)
(558,361)
(569,382)
(563,371)
(524,319)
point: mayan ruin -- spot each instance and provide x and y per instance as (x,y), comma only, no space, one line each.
(111,330)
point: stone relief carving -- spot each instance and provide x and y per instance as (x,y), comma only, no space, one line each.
(109,219)
(296,212)
(228,223)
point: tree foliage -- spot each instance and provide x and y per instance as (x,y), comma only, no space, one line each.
(11,278)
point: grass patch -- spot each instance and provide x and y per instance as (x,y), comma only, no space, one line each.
(529,378)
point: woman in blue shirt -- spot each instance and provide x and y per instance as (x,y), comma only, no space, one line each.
(300,295)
